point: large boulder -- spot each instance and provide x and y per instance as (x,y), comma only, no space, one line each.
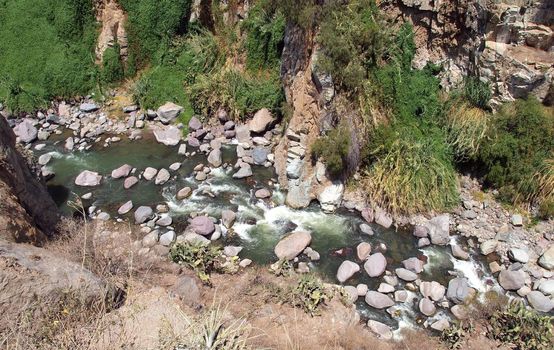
(378,300)
(214,158)
(331,197)
(228,218)
(432,290)
(380,329)
(363,250)
(261,121)
(540,302)
(259,154)
(202,225)
(292,245)
(512,280)
(458,290)
(547,258)
(405,274)
(427,307)
(122,171)
(195,124)
(88,107)
(169,136)
(26,131)
(439,229)
(244,171)
(346,270)
(413,264)
(162,177)
(142,214)
(125,208)
(88,179)
(168,112)
(375,265)
(518,255)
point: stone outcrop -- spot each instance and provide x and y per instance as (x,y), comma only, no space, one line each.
(27,212)
(112,17)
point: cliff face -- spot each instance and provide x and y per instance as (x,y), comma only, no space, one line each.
(508,43)
(27,212)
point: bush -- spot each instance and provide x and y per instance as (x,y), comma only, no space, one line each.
(333,149)
(546,209)
(352,41)
(46,51)
(521,138)
(466,128)
(411,171)
(112,67)
(477,93)
(523,328)
(203,259)
(309,294)
(240,93)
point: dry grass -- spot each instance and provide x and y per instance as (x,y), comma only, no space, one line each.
(466,128)
(545,179)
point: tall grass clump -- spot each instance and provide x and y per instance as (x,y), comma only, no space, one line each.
(333,149)
(514,158)
(477,92)
(46,51)
(466,128)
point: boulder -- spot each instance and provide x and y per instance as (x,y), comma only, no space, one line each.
(427,307)
(517,220)
(182,149)
(142,214)
(88,179)
(259,154)
(366,229)
(375,265)
(547,287)
(518,255)
(88,107)
(378,300)
(167,238)
(540,302)
(351,293)
(292,245)
(440,325)
(439,229)
(228,218)
(488,246)
(168,112)
(164,221)
(432,290)
(195,124)
(214,158)
(244,171)
(262,193)
(380,329)
(385,288)
(149,173)
(169,136)
(26,131)
(125,208)
(547,258)
(401,296)
(460,312)
(130,182)
(331,197)
(44,159)
(122,171)
(458,290)
(413,264)
(361,289)
(406,274)
(184,192)
(150,240)
(383,218)
(459,253)
(363,250)
(162,177)
(346,270)
(202,225)
(231,250)
(261,121)
(512,280)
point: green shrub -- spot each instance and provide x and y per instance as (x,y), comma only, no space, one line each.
(240,93)
(466,129)
(112,67)
(521,138)
(333,149)
(477,93)
(546,209)
(309,294)
(353,40)
(265,30)
(523,328)
(46,51)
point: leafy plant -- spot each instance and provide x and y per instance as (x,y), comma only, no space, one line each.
(203,259)
(477,92)
(112,67)
(523,328)
(309,294)
(454,335)
(333,149)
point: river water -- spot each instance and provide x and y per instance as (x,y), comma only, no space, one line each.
(260,223)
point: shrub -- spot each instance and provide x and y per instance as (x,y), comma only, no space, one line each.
(333,149)
(265,30)
(477,92)
(411,171)
(523,328)
(466,128)
(546,209)
(352,40)
(112,67)
(159,85)
(309,294)
(521,138)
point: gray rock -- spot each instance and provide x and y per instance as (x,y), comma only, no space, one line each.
(512,280)
(261,121)
(167,238)
(202,225)
(375,265)
(311,254)
(363,250)
(259,154)
(413,264)
(184,192)
(130,182)
(214,158)
(517,220)
(331,197)
(162,177)
(175,166)
(231,251)
(459,253)
(366,229)
(406,274)
(103,216)
(458,290)
(229,125)
(69,144)
(440,325)
(122,171)
(432,290)
(43,135)
(460,312)
(125,208)
(382,218)
(44,159)
(182,149)
(346,270)
(518,255)
(439,229)
(421,231)
(142,214)
(427,307)
(378,300)
(351,293)
(245,262)
(195,238)
(488,247)
(380,329)
(294,168)
(292,245)
(149,173)
(88,179)
(195,124)
(400,296)
(26,131)
(168,112)
(228,218)
(385,288)
(243,134)
(547,287)
(244,171)
(547,258)
(262,193)
(169,136)
(423,242)
(362,289)
(150,240)
(540,302)
(164,221)
(88,107)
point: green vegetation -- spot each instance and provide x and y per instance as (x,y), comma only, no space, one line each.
(112,67)
(466,128)
(521,139)
(523,328)
(309,294)
(333,149)
(46,51)
(477,93)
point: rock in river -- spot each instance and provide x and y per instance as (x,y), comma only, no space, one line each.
(26,131)
(122,171)
(292,245)
(125,208)
(184,192)
(406,274)
(228,218)
(244,171)
(261,121)
(439,229)
(214,158)
(346,270)
(162,177)
(168,112)
(512,280)
(150,173)
(130,182)
(169,136)
(427,307)
(378,300)
(375,265)
(202,225)
(458,290)
(88,179)
(142,214)
(540,302)
(432,290)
